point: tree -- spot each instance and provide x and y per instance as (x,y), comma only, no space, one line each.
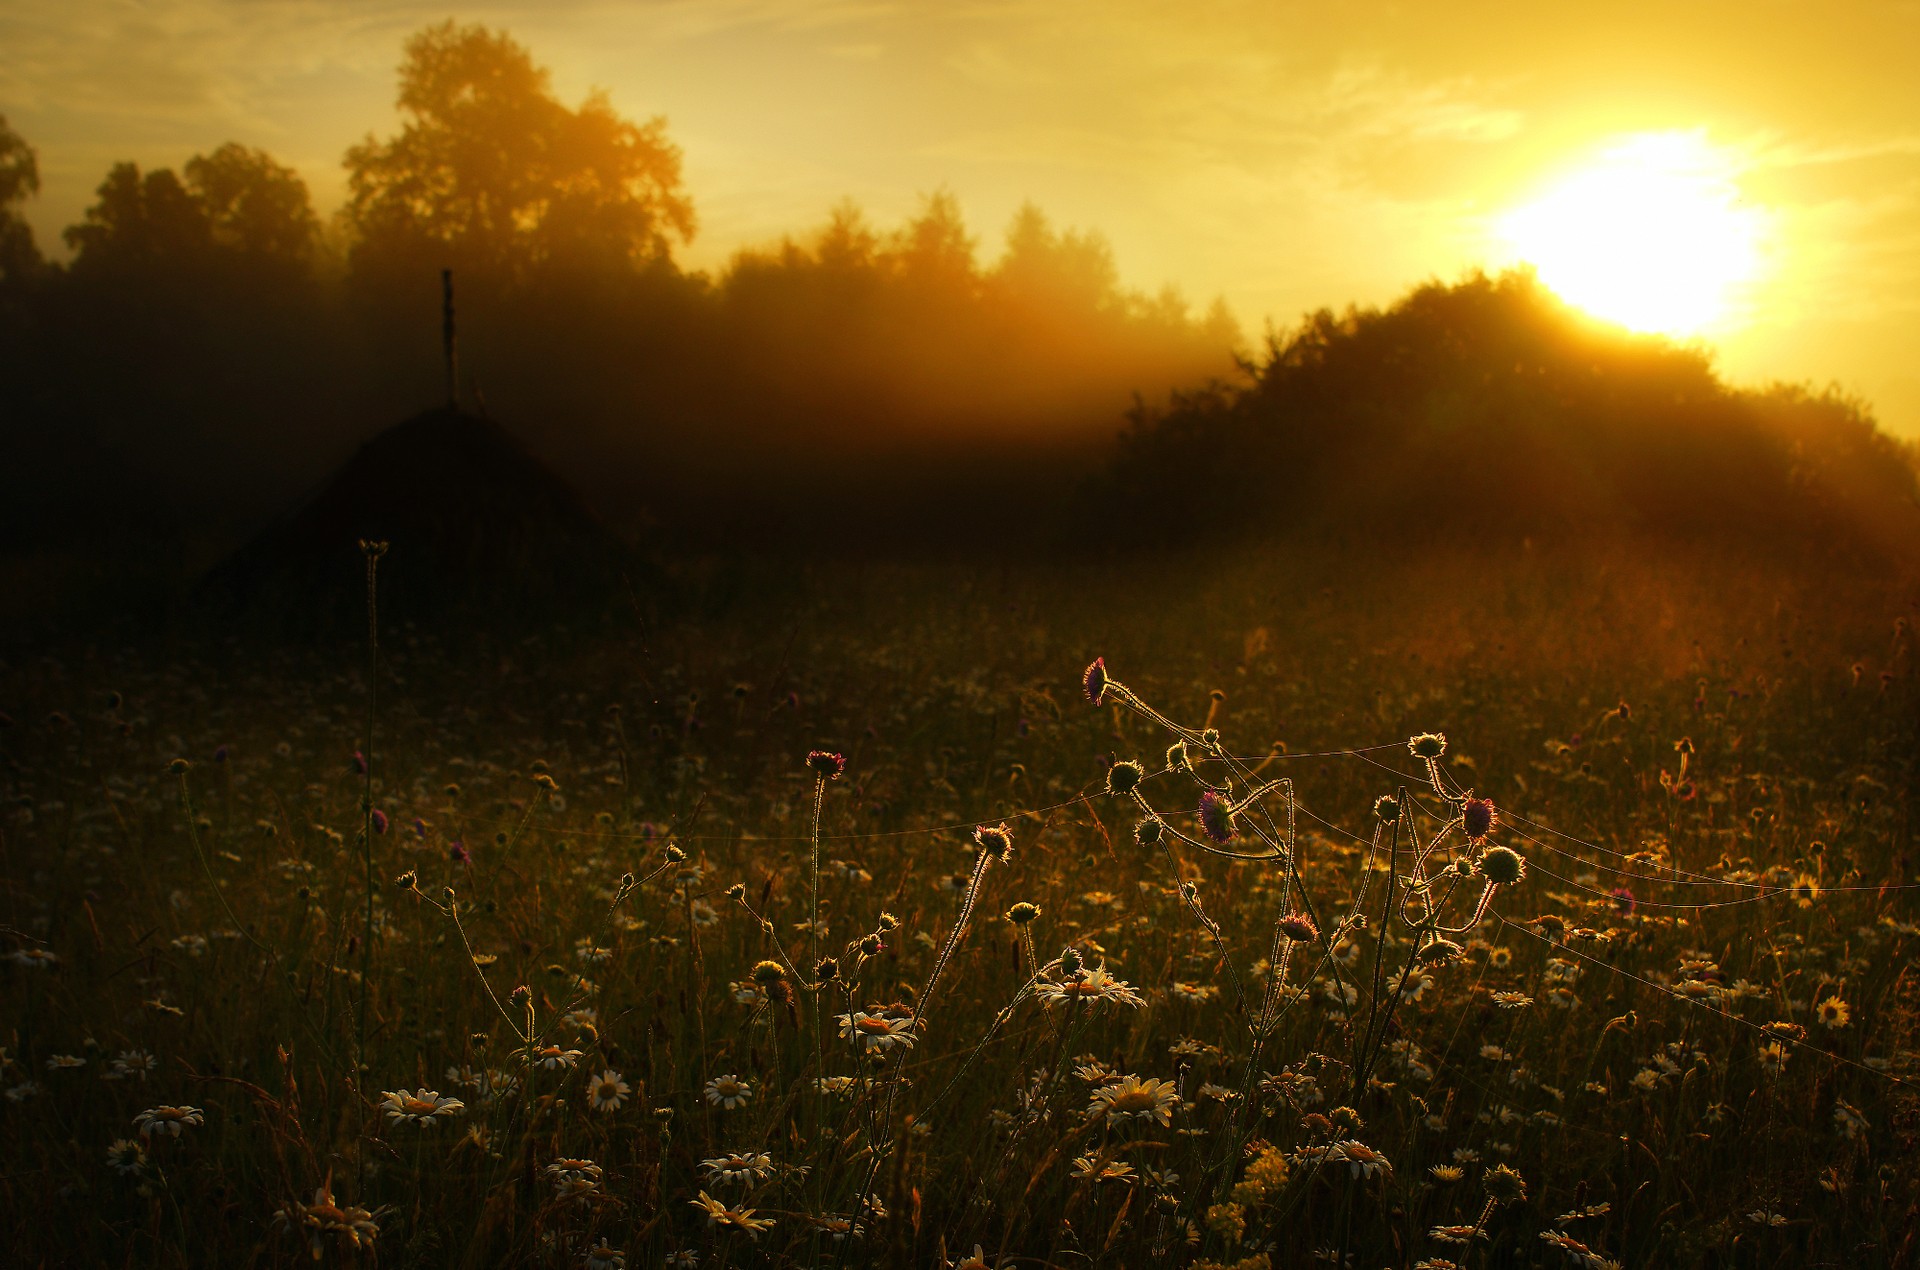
(141,222)
(252,204)
(19,181)
(490,170)
(1070,269)
(934,248)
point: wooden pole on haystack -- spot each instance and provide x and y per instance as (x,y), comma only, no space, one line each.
(446,339)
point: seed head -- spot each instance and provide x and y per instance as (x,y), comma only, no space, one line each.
(1023,913)
(872,945)
(1216,816)
(1124,777)
(737,892)
(1094,680)
(673,854)
(1147,832)
(1070,960)
(767,973)
(1178,760)
(995,842)
(1299,928)
(1440,952)
(1503,1185)
(1428,745)
(1479,817)
(887,922)
(1386,808)
(826,764)
(1503,865)
(827,970)
(179,767)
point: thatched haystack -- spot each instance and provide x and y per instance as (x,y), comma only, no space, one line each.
(479,530)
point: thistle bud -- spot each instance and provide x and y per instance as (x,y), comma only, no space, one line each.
(995,842)
(1093,681)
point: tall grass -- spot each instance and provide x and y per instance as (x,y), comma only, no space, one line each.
(646,986)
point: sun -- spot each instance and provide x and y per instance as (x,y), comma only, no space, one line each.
(1651,233)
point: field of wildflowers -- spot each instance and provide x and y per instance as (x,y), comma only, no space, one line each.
(1473,920)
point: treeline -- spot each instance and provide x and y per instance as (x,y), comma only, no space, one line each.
(1489,412)
(212,347)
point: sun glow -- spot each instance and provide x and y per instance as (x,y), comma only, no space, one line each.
(1652,234)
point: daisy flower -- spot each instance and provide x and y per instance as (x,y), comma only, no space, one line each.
(1086,1169)
(607,1092)
(604,1256)
(1361,1160)
(736,1166)
(552,1057)
(1833,1012)
(168,1120)
(729,1091)
(126,1157)
(323,1219)
(1093,985)
(1131,1098)
(133,1063)
(573,1179)
(719,1214)
(423,1106)
(877,1033)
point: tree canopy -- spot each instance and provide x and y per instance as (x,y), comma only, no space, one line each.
(489,171)
(19,181)
(237,202)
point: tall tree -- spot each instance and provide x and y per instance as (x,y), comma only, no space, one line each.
(490,170)
(140,222)
(253,205)
(19,181)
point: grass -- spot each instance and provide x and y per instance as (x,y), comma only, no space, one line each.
(587,959)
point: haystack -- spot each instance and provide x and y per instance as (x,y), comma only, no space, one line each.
(479,530)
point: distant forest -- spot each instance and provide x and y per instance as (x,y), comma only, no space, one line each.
(213,348)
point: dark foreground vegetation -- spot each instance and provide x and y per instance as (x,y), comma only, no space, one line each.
(512,963)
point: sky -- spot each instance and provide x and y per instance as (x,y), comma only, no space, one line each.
(1286,157)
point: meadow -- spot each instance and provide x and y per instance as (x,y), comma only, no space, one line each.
(1553,909)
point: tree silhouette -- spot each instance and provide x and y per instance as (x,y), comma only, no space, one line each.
(253,205)
(490,171)
(141,222)
(19,181)
(1048,268)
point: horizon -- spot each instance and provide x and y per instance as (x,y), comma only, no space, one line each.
(1191,145)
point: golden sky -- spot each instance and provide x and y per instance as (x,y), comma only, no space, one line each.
(1285,156)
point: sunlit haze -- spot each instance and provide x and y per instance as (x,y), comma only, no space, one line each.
(1286,157)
